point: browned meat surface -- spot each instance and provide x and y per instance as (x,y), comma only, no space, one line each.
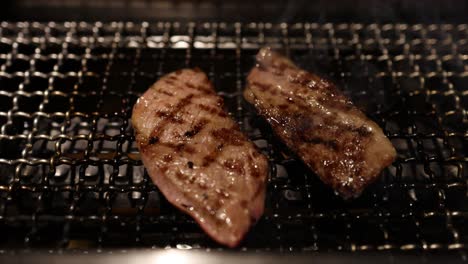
(315,120)
(197,156)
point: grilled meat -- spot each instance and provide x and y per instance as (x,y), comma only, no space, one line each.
(315,120)
(198,157)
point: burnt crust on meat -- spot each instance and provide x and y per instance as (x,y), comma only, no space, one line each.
(317,122)
(198,157)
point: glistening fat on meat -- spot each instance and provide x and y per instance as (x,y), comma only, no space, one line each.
(198,157)
(315,120)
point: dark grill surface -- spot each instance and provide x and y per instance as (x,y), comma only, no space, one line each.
(70,173)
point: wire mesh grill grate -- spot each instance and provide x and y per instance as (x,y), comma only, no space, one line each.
(70,173)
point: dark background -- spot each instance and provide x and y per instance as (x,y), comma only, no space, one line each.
(448,11)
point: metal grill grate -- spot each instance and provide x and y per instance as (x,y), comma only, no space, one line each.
(70,173)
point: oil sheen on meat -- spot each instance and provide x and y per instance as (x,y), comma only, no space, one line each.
(317,122)
(198,157)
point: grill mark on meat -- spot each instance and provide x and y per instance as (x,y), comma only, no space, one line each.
(180,147)
(170,118)
(317,140)
(194,134)
(153,140)
(302,79)
(181,176)
(190,164)
(234,165)
(362,131)
(164,169)
(253,169)
(319,123)
(283,66)
(147,143)
(189,149)
(196,129)
(212,110)
(336,102)
(211,157)
(186,206)
(166,92)
(290,98)
(199,88)
(170,115)
(283,107)
(278,68)
(302,128)
(168,158)
(244,203)
(207,160)
(173,78)
(170,81)
(228,136)
(354,150)
(331,96)
(263,87)
(220,146)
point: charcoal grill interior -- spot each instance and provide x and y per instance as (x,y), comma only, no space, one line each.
(71,178)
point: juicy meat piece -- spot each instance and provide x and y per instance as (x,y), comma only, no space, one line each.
(198,157)
(315,120)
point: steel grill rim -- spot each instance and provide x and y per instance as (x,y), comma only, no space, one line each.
(70,173)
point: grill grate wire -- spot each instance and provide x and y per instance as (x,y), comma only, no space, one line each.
(70,173)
